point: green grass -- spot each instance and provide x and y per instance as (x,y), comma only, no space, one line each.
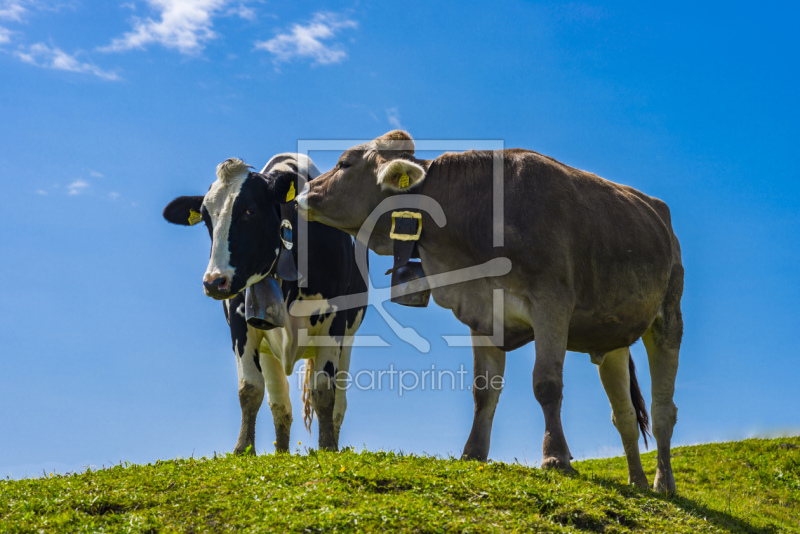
(747,486)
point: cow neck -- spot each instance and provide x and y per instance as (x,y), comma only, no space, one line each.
(405,232)
(404,250)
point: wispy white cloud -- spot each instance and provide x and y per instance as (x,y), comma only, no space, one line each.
(306,41)
(77,187)
(393,116)
(89,184)
(182,24)
(19,10)
(242,11)
(41,55)
(13,9)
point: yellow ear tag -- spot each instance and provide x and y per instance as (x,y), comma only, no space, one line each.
(291,194)
(404,180)
(194,217)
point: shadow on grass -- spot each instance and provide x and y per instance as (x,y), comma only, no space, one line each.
(719,519)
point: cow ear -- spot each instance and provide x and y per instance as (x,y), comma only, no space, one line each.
(184,211)
(283,185)
(400,174)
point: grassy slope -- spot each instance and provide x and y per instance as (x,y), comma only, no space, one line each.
(748,486)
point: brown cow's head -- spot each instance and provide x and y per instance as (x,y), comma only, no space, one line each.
(364,176)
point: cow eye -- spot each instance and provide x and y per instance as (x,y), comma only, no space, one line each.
(343,165)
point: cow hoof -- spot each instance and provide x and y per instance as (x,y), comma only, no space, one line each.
(639,482)
(248,450)
(664,483)
(558,464)
(328,445)
(475,455)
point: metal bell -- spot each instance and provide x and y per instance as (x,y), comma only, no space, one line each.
(409,286)
(263,304)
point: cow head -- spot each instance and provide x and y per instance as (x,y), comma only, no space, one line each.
(364,176)
(243,216)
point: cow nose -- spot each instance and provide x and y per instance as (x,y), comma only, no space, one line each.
(302,200)
(302,204)
(217,285)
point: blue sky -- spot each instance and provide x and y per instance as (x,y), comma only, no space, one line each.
(108,110)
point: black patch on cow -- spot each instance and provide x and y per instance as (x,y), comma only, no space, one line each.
(320,317)
(356,286)
(256,361)
(238,324)
(329,369)
(254,231)
(207,222)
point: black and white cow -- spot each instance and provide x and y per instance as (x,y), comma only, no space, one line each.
(246,215)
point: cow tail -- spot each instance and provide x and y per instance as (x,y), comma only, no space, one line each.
(638,402)
(308,410)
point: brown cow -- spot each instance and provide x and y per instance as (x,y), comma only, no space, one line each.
(594,266)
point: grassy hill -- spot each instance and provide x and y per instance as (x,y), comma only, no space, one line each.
(747,486)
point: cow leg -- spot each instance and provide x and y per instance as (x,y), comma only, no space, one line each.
(278,398)
(551,326)
(489,364)
(251,391)
(663,341)
(340,402)
(322,389)
(615,375)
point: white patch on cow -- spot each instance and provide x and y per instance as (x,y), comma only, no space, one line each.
(292,342)
(240,309)
(247,371)
(277,385)
(219,202)
(343,371)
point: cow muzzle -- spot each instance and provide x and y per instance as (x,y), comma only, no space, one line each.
(302,204)
(217,286)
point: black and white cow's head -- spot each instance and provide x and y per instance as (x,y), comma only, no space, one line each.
(242,212)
